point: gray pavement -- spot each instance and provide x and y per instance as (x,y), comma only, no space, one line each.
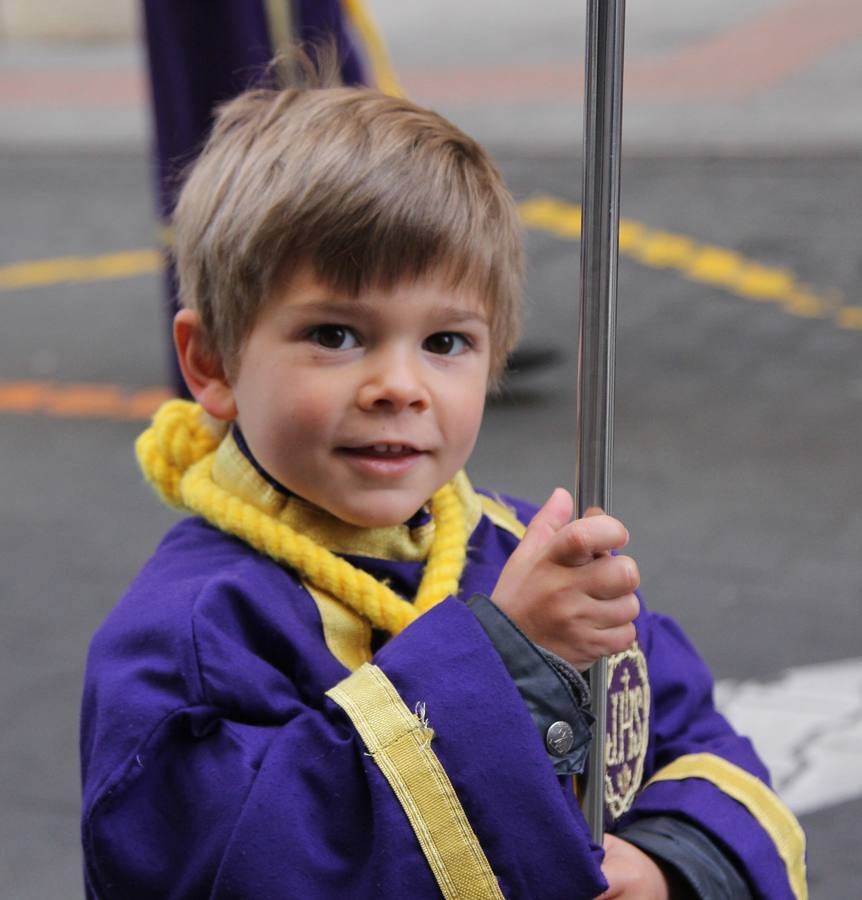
(738,421)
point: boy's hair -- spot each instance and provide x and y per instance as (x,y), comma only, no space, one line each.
(369,190)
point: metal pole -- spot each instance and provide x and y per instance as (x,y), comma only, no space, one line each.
(599,252)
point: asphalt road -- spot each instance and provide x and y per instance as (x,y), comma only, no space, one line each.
(739,417)
(736,466)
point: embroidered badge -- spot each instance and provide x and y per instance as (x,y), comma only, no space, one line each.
(628,728)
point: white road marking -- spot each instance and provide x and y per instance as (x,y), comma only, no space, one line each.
(807,727)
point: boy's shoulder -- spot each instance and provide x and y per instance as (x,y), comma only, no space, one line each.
(203,626)
(191,554)
(193,566)
(198,614)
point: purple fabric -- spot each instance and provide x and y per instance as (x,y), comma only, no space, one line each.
(203,52)
(213,765)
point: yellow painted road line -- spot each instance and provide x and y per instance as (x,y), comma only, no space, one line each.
(70,269)
(699,262)
(79,400)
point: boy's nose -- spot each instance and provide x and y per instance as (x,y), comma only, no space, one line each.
(394,383)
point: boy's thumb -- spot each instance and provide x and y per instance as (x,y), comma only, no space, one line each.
(556,512)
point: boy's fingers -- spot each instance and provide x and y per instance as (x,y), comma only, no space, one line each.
(617,612)
(554,515)
(613,576)
(595,511)
(616,639)
(582,541)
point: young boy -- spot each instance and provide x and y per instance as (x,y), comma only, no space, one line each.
(350,674)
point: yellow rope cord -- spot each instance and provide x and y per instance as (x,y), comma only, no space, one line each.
(384,74)
(178,438)
(448,551)
(177,454)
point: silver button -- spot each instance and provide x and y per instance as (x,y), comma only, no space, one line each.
(560,738)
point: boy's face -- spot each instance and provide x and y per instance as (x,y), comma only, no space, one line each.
(364,406)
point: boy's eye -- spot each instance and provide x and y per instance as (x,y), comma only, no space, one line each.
(445,343)
(334,337)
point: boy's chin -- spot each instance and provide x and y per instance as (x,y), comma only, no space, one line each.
(378,514)
(375,519)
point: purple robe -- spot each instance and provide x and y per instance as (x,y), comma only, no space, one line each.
(215,764)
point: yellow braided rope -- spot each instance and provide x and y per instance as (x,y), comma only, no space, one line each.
(177,454)
(448,551)
(177,438)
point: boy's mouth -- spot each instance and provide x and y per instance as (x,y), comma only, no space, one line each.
(382,451)
(386,461)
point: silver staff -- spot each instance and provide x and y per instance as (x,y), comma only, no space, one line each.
(599,250)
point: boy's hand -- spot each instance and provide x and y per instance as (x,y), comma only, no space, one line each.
(564,590)
(631,874)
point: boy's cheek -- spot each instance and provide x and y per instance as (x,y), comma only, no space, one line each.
(314,413)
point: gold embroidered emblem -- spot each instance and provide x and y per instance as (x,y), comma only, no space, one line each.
(627,728)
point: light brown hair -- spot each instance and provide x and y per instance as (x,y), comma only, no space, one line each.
(368,189)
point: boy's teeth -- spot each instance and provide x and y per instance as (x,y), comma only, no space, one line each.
(391,449)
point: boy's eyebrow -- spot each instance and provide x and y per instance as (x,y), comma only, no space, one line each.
(459,314)
(352,307)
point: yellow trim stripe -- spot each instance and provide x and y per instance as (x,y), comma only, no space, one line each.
(279,17)
(400,744)
(775,818)
(378,56)
(502,516)
(346,633)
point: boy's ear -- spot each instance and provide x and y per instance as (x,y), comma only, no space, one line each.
(202,369)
